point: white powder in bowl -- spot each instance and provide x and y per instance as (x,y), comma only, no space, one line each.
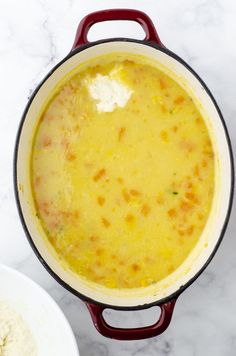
(16,338)
(110,93)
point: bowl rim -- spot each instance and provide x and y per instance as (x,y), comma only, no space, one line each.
(47,300)
(63,283)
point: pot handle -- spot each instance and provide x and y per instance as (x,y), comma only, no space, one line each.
(115,14)
(135,333)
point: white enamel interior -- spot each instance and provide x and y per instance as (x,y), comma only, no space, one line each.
(212,231)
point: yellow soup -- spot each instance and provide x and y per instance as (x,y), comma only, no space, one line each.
(122,172)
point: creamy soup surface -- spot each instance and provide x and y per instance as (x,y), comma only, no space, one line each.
(122,172)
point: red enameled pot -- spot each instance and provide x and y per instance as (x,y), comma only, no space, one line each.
(163,293)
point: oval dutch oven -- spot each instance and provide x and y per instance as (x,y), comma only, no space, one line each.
(165,292)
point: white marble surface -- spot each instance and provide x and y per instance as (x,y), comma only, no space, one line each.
(34,36)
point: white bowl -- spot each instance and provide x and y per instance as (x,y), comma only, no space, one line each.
(51,330)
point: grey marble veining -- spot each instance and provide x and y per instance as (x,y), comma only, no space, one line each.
(34,36)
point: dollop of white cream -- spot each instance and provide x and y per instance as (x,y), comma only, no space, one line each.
(109,93)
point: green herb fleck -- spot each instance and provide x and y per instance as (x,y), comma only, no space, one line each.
(175,193)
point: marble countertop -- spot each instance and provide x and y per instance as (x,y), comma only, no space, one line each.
(34,36)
